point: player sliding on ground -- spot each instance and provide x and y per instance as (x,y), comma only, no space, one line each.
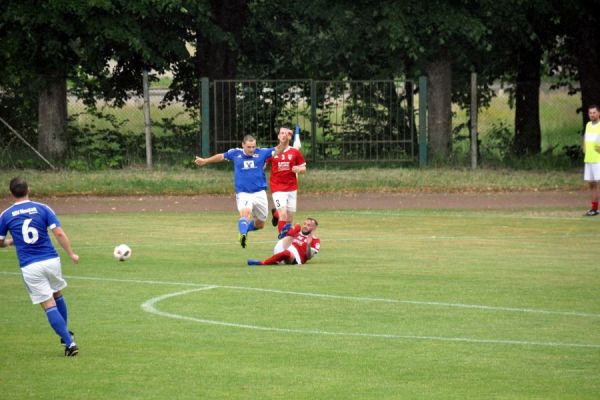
(296,245)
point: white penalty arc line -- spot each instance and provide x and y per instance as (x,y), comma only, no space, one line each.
(150,307)
(333,296)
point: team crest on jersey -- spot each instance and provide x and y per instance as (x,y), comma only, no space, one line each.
(248,164)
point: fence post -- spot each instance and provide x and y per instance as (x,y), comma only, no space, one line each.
(422,121)
(147,121)
(410,108)
(205,103)
(474,144)
(313,120)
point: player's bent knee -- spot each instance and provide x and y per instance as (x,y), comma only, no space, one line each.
(290,257)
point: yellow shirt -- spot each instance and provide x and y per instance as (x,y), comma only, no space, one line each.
(591,139)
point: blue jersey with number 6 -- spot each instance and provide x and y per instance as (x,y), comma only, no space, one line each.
(28,223)
(249,171)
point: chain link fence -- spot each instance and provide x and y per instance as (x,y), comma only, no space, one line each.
(349,121)
(560,122)
(339,121)
(174,131)
(106,136)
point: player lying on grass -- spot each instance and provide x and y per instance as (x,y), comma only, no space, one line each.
(296,245)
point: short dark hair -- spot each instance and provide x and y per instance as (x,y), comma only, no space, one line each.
(313,220)
(248,138)
(593,106)
(18,187)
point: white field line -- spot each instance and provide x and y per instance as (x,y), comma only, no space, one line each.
(149,306)
(338,297)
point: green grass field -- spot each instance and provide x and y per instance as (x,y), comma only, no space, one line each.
(400,304)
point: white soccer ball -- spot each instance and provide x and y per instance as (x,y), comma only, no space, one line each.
(122,252)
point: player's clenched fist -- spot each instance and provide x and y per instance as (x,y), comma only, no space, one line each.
(200,161)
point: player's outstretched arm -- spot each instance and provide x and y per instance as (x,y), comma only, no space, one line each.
(6,242)
(213,159)
(64,241)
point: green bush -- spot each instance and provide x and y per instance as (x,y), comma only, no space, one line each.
(496,145)
(94,148)
(176,143)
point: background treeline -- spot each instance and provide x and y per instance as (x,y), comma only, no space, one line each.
(98,50)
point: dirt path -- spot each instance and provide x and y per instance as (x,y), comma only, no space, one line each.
(502,200)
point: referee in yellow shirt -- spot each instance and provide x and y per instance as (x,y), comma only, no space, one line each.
(591,149)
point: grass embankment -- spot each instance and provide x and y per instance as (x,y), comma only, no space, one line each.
(220,181)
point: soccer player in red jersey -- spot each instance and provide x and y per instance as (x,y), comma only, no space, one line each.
(297,246)
(285,167)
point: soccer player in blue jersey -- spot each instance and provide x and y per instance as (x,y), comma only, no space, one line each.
(249,181)
(28,223)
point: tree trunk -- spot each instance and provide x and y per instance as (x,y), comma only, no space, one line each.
(588,60)
(218,60)
(439,105)
(528,135)
(52,119)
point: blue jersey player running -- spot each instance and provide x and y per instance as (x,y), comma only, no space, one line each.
(249,181)
(28,223)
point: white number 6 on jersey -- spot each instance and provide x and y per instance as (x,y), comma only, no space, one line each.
(30,234)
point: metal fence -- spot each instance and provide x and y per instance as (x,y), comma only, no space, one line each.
(560,123)
(339,121)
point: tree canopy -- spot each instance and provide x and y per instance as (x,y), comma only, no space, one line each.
(101,47)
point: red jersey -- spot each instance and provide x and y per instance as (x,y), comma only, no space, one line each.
(302,242)
(282,178)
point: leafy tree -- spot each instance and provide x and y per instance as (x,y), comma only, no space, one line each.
(213,33)
(524,33)
(576,55)
(536,36)
(370,40)
(450,33)
(45,43)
